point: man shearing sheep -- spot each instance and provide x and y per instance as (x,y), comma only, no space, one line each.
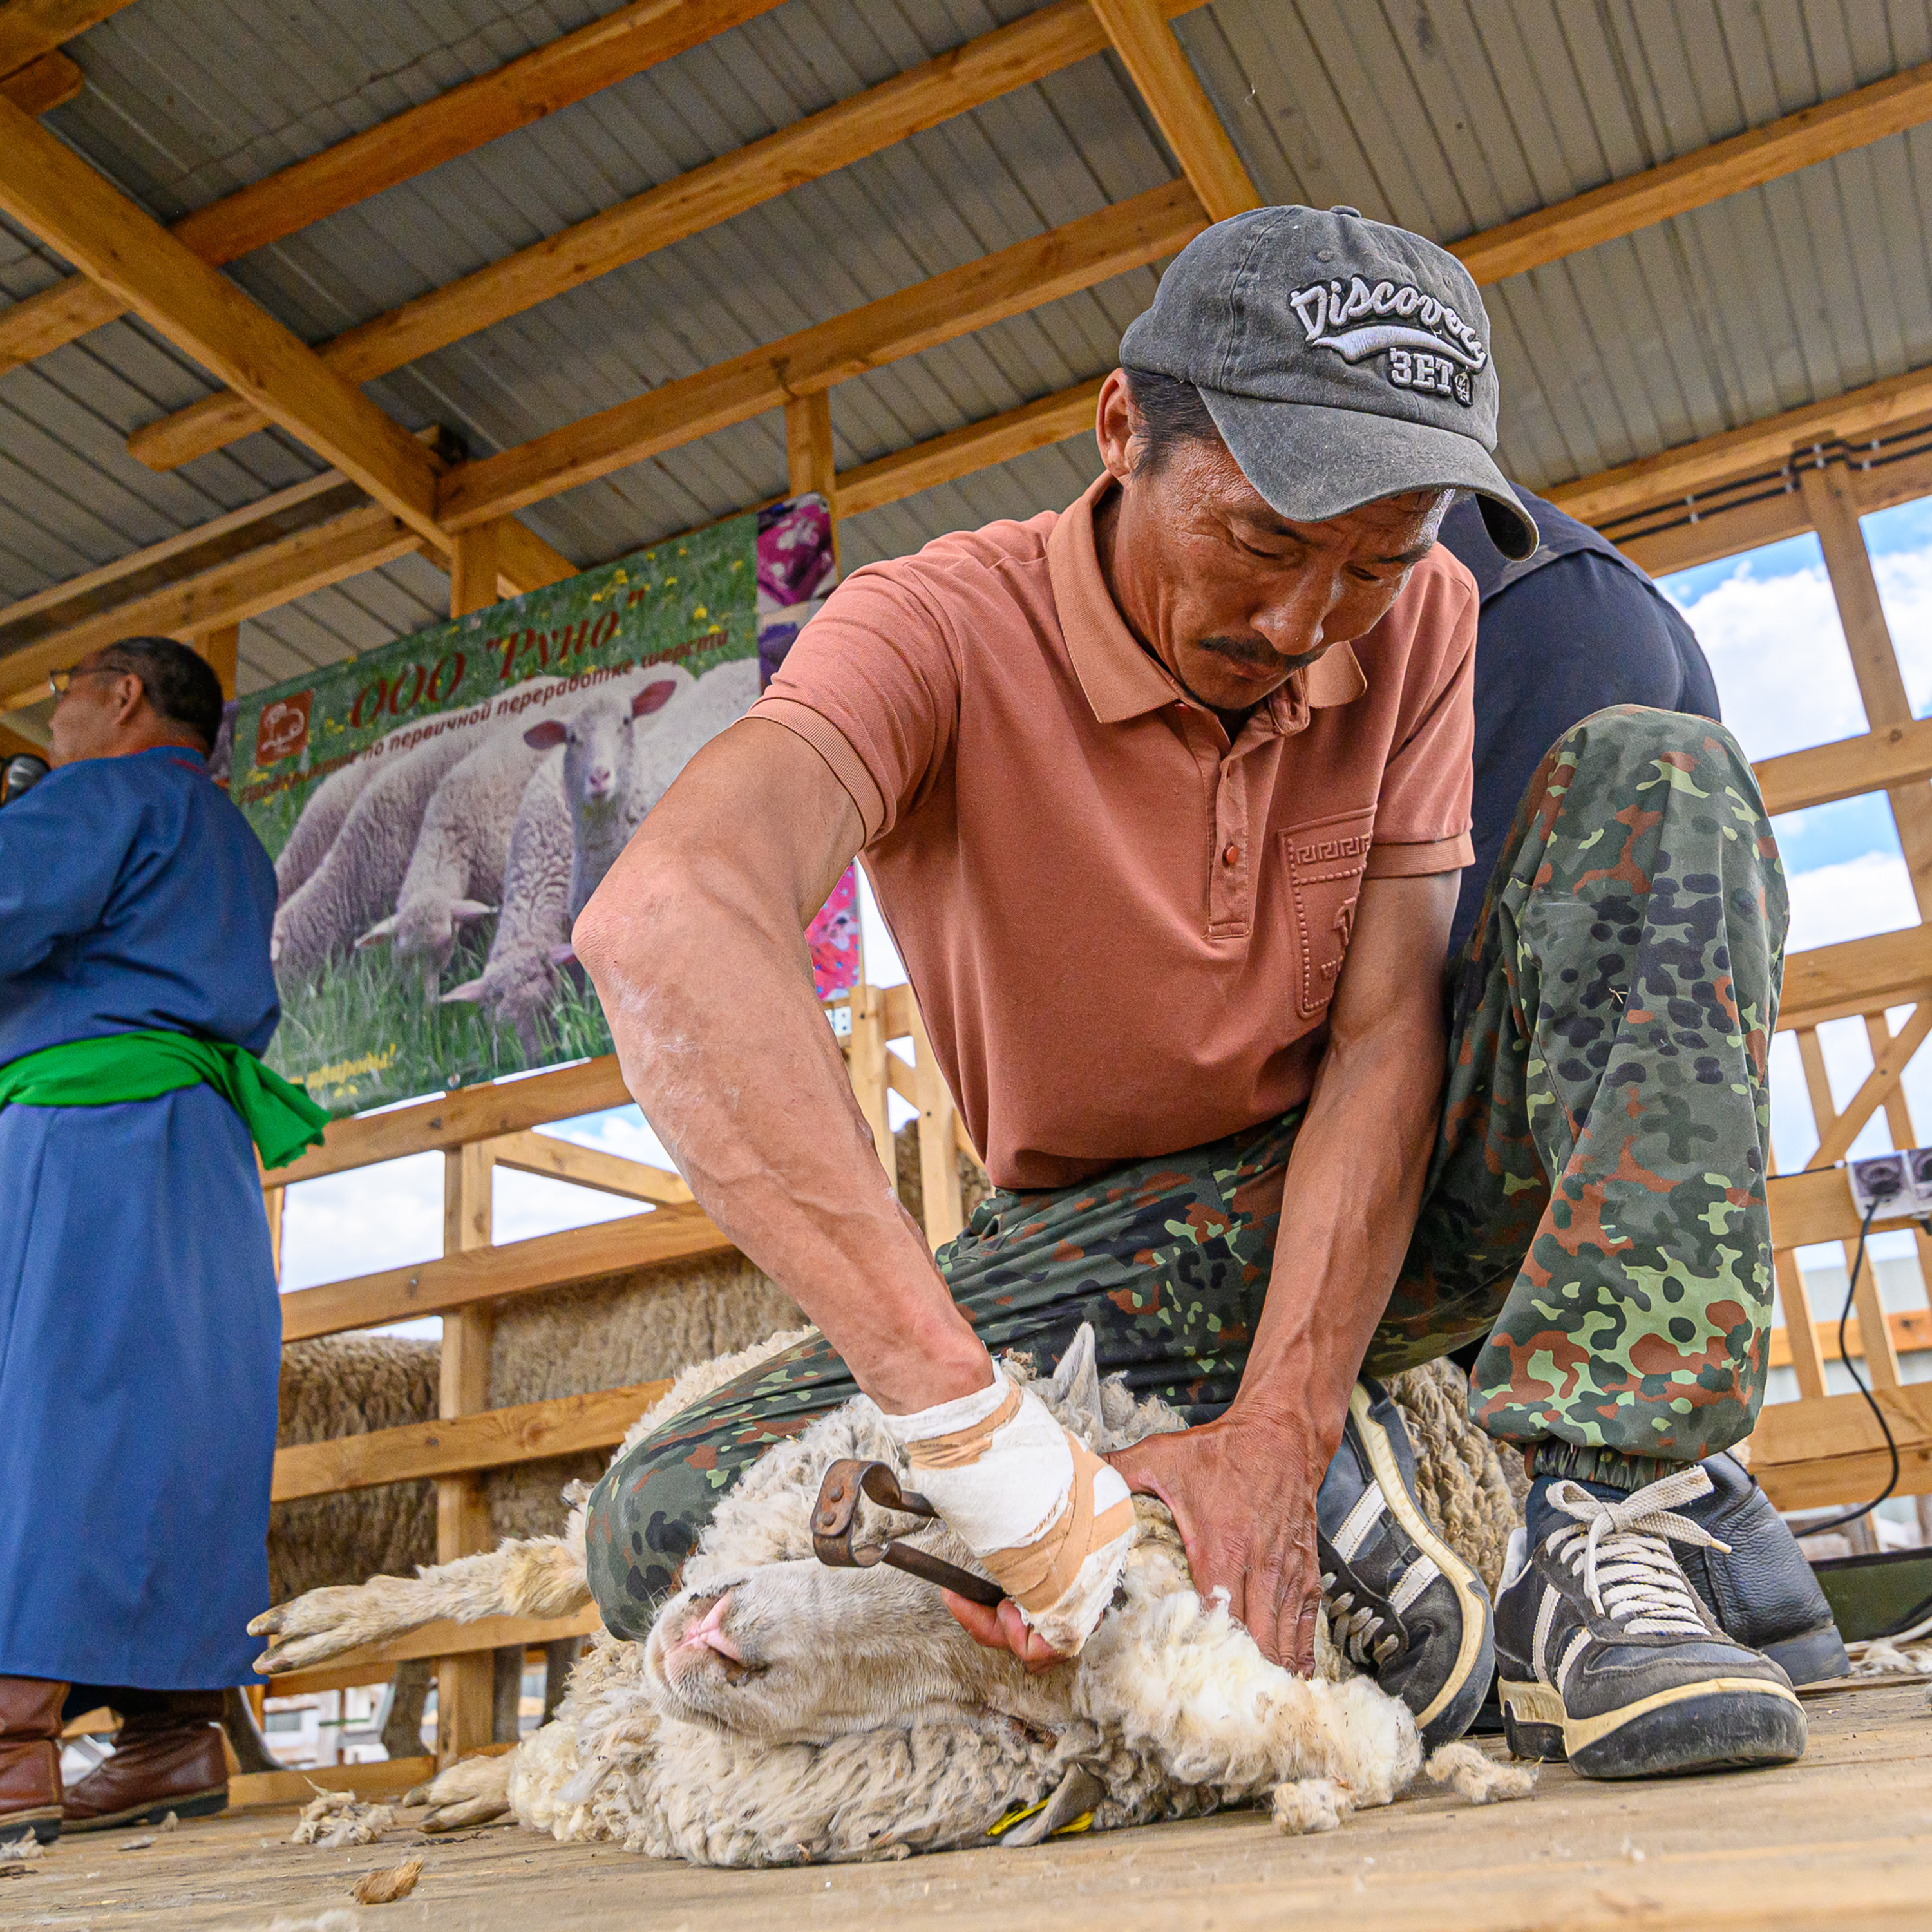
(140,1338)
(1166,798)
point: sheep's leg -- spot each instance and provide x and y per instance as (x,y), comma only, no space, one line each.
(543,1577)
(238,1720)
(408,1693)
(471,1793)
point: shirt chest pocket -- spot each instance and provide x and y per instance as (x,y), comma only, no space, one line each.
(1323,860)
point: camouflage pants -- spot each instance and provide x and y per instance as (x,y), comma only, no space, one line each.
(1595,1203)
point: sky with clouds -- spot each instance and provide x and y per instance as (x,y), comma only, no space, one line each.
(1768,624)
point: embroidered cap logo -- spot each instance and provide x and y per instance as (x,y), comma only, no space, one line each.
(1440,354)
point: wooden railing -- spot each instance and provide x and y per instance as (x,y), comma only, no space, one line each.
(477,1129)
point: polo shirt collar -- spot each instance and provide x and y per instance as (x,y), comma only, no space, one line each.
(1122,681)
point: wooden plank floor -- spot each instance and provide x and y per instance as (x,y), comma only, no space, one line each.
(1843,1839)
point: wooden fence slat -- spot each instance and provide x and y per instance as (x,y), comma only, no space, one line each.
(1911,1330)
(1855,977)
(493,1438)
(589,1167)
(489,1274)
(1889,1058)
(1808,1454)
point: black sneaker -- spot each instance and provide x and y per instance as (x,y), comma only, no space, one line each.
(1762,1591)
(1402,1605)
(1606,1655)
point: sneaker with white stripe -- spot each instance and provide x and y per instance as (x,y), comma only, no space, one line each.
(1607,1656)
(1402,1605)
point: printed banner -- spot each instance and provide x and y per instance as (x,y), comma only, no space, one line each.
(438,811)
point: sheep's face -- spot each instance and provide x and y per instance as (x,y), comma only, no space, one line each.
(799,1653)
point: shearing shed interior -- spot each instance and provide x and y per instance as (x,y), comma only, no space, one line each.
(330,330)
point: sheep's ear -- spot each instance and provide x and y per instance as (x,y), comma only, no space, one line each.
(464,911)
(383,929)
(544,734)
(652,698)
(1076,1382)
(470,992)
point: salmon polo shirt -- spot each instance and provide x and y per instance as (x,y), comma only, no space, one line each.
(1123,931)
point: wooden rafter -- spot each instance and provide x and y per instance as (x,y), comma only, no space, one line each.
(1126,236)
(1139,33)
(611,49)
(1028,50)
(1847,767)
(50,190)
(1709,174)
(29,29)
(43,85)
(243,586)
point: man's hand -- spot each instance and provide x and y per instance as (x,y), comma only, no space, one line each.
(1002,1628)
(1242,1495)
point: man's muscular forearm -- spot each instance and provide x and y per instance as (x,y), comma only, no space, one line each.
(694,942)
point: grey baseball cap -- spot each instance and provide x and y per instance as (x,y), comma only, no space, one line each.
(1342,360)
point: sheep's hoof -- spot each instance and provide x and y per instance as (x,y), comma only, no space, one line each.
(1071,1807)
(471,1793)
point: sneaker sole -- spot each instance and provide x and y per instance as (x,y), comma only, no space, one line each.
(1473,1659)
(42,1824)
(196,1805)
(1724,1724)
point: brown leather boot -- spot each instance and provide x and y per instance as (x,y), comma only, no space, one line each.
(169,1759)
(30,1780)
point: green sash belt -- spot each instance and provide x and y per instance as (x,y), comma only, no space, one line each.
(280,1118)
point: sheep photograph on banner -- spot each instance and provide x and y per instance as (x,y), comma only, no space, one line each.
(440,810)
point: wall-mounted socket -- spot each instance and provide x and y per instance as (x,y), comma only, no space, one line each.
(1901,1182)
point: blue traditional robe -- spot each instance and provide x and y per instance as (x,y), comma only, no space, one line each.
(140,1334)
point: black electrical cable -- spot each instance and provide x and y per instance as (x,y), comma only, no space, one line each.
(1858,1381)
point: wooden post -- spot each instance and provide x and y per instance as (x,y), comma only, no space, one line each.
(1828,503)
(222,648)
(464,1685)
(865,1056)
(474,557)
(1874,1331)
(938,1156)
(1898,1121)
(810,463)
(273,1200)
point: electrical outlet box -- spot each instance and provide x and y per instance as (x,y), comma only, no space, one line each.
(1888,1181)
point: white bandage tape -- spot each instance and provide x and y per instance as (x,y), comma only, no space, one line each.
(1052,1523)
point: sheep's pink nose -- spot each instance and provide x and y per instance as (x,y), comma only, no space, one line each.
(598,778)
(709,1633)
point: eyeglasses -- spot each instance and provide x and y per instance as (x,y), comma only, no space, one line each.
(58,681)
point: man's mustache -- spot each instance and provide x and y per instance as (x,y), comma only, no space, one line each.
(1256,655)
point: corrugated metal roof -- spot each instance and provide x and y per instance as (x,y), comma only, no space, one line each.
(1448,116)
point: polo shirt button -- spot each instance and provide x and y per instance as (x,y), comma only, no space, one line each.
(1232,856)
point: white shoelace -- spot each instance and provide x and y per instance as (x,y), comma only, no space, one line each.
(1622,1551)
(1354,1630)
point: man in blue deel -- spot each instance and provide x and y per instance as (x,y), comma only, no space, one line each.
(139,1332)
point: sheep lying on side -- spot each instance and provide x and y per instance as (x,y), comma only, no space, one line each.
(724,1738)
(639,1325)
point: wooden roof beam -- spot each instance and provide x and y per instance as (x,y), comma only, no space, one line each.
(1030,49)
(43,85)
(475,112)
(241,587)
(29,29)
(1127,236)
(1709,174)
(50,190)
(1168,83)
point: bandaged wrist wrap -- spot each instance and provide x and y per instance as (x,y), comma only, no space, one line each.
(1052,1523)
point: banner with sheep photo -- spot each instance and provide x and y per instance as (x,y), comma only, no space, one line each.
(440,810)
